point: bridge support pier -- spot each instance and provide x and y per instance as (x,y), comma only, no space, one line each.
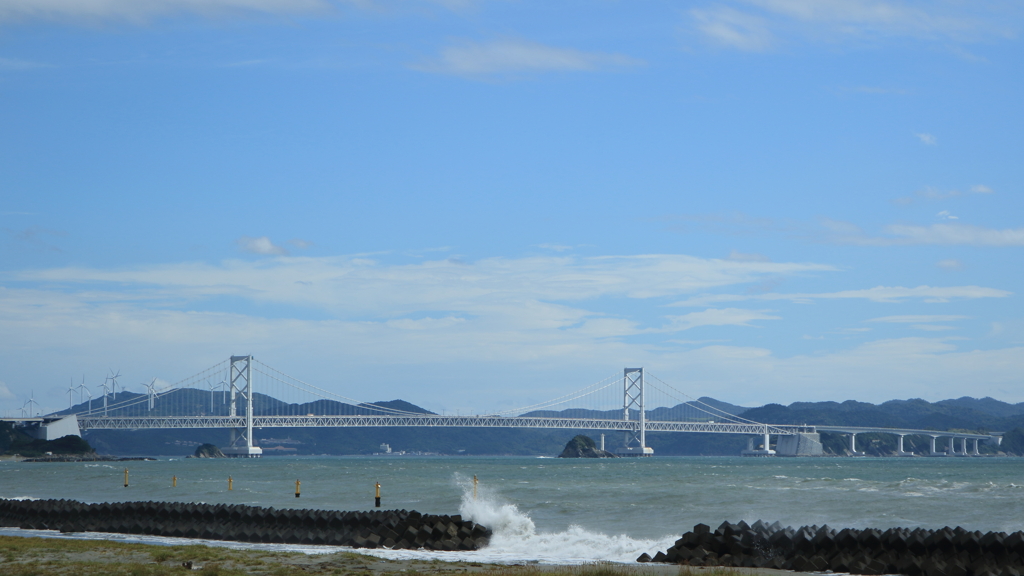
(853,446)
(951,449)
(933,451)
(975,452)
(799,444)
(899,450)
(764,450)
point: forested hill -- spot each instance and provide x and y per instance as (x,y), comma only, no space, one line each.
(964,413)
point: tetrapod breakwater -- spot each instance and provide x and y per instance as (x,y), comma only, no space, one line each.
(375,529)
(913,552)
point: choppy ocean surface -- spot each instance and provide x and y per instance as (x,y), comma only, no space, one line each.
(565,511)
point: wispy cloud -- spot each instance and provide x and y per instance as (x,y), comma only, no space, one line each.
(16,64)
(260,245)
(755,25)
(78,11)
(718,317)
(366,286)
(951,234)
(748,257)
(981,189)
(519,56)
(733,28)
(931,294)
(950,264)
(926,138)
(931,327)
(554,247)
(918,318)
(910,234)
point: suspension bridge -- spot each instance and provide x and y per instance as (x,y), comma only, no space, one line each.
(242,394)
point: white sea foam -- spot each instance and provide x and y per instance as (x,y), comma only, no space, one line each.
(515,537)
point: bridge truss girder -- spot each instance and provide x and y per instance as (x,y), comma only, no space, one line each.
(632,426)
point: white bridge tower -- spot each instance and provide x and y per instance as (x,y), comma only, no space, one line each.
(633,399)
(240,372)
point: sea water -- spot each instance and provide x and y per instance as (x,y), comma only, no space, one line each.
(564,511)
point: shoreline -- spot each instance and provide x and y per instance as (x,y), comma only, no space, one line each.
(31,553)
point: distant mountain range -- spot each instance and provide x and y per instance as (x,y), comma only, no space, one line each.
(965,414)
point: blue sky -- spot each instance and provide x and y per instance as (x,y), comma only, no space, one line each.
(472,204)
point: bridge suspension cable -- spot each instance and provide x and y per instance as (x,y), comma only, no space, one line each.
(325,394)
(588,391)
(708,408)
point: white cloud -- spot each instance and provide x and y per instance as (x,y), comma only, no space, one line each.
(954,234)
(734,29)
(300,243)
(555,247)
(534,351)
(351,284)
(945,215)
(910,234)
(718,317)
(15,64)
(750,257)
(950,264)
(918,318)
(528,327)
(928,139)
(755,25)
(516,55)
(981,189)
(877,294)
(261,245)
(138,11)
(931,327)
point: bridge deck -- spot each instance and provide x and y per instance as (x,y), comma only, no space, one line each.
(130,423)
(434,421)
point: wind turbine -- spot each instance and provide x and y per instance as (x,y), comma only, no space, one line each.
(105,397)
(71,394)
(213,387)
(149,391)
(113,383)
(82,391)
(32,402)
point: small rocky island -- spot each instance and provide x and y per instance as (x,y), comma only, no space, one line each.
(583,447)
(208,451)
